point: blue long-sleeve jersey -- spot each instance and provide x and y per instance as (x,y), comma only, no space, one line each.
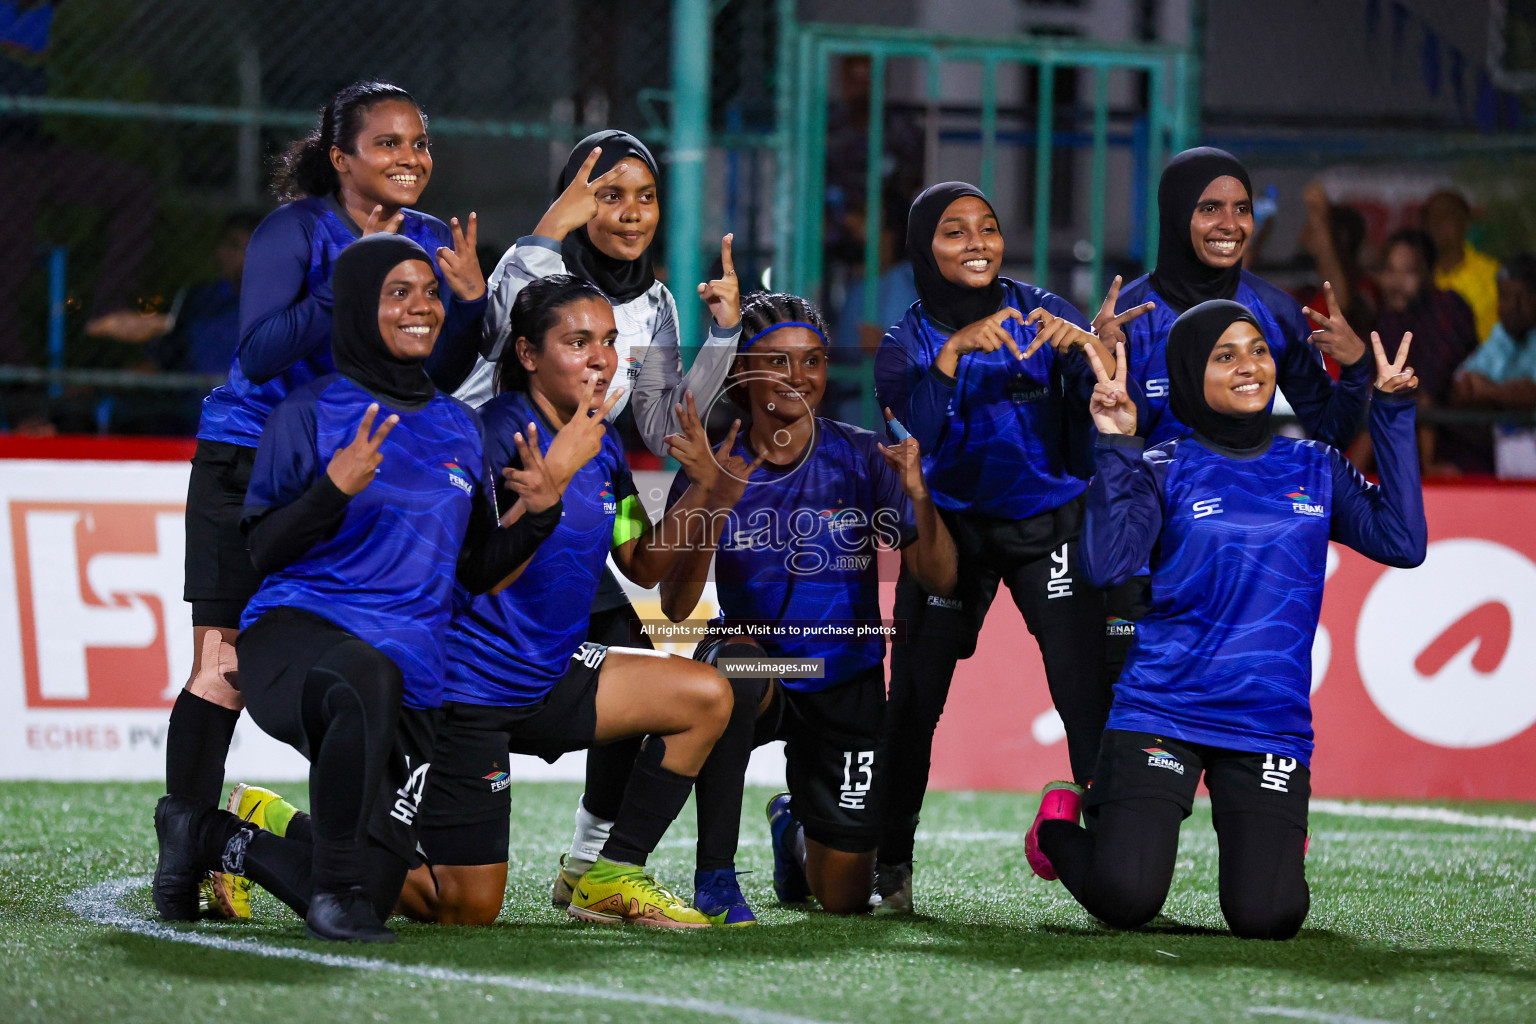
(1330,412)
(510,648)
(387,574)
(994,437)
(285,313)
(800,547)
(1238,548)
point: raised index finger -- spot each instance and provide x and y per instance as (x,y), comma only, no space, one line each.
(1132,314)
(1402,352)
(585,171)
(1111,297)
(1097,364)
(383,432)
(729,268)
(365,428)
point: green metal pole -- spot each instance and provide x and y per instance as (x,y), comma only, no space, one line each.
(1156,99)
(1045,119)
(875,155)
(689,149)
(1100,173)
(786,147)
(815,127)
(988,125)
(1193,78)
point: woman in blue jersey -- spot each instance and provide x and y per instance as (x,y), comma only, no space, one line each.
(795,546)
(360,533)
(1235,523)
(1205,218)
(601,228)
(983,388)
(359,172)
(520,677)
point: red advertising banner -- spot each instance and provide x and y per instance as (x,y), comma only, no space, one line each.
(1424,680)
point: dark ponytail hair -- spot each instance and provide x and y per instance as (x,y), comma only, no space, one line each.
(534,312)
(304,169)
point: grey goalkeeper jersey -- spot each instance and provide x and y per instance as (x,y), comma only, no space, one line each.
(650,362)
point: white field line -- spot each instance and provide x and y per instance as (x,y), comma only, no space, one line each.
(1439,815)
(1313,1015)
(99,904)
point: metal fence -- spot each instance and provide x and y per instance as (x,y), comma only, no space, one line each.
(143,124)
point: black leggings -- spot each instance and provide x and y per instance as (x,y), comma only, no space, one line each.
(1037,560)
(336,699)
(609,765)
(1121,866)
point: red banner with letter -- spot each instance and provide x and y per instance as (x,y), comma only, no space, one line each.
(1424,680)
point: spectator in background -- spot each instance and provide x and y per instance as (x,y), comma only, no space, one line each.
(1331,239)
(1501,374)
(42,171)
(202,329)
(1443,335)
(855,339)
(1460,268)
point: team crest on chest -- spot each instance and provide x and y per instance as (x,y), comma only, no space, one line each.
(459,477)
(1302,503)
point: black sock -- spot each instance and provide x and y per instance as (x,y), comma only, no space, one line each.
(214,828)
(196,744)
(718,789)
(337,794)
(301,828)
(608,770)
(283,868)
(1069,848)
(652,801)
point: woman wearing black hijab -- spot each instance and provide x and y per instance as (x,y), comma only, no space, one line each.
(600,228)
(1235,523)
(360,532)
(981,387)
(1205,219)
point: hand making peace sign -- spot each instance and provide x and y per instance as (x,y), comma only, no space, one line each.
(460,265)
(1111,406)
(1108,325)
(1394,376)
(352,468)
(578,203)
(723,295)
(1334,336)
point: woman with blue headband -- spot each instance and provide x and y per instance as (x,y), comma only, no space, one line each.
(794,531)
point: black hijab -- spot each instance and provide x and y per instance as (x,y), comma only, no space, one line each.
(1181,277)
(1190,342)
(953,306)
(356,344)
(620,280)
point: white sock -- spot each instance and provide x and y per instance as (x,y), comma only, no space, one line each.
(797,845)
(591,835)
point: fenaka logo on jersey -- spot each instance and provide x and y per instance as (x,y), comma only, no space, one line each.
(98,587)
(610,503)
(458,477)
(1157,757)
(1114,625)
(840,518)
(498,779)
(1303,505)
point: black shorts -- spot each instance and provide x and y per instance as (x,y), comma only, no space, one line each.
(1145,766)
(832,752)
(989,549)
(220,579)
(467,815)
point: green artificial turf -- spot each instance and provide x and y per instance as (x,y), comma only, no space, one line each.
(1411,921)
